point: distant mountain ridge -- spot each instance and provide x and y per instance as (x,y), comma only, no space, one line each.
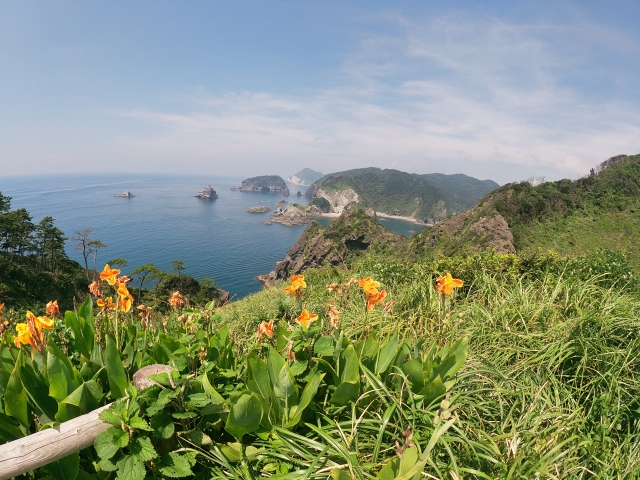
(305,177)
(427,197)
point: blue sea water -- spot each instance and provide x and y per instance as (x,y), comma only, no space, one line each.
(166,221)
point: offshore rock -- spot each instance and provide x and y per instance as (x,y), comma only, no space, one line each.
(290,216)
(261,209)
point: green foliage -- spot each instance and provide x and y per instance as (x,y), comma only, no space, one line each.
(426,197)
(322,203)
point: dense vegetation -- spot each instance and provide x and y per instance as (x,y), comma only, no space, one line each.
(598,211)
(308,176)
(428,197)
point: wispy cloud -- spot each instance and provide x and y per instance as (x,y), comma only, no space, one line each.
(453,94)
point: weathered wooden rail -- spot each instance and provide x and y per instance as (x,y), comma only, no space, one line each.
(39,449)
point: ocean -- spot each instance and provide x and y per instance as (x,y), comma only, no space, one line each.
(165,221)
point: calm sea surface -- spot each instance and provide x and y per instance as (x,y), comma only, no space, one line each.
(165,221)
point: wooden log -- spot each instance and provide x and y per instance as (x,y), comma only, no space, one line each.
(38,449)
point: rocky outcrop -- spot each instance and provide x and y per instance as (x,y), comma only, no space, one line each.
(289,216)
(351,233)
(312,191)
(261,209)
(265,184)
(281,203)
(479,229)
(338,200)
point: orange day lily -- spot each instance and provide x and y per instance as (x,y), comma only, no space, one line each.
(109,275)
(23,336)
(52,308)
(377,298)
(447,283)
(106,304)
(94,288)
(125,302)
(176,300)
(369,286)
(265,328)
(297,284)
(306,318)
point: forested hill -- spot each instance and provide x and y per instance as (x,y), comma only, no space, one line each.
(429,197)
(600,210)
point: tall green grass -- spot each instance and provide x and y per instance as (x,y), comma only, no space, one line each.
(550,388)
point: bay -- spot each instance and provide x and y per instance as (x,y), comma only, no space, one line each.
(165,221)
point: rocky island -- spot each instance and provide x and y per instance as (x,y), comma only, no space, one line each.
(261,209)
(289,216)
(265,184)
(126,194)
(207,192)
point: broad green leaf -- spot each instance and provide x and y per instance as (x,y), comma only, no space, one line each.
(258,377)
(164,397)
(38,391)
(389,471)
(82,400)
(450,365)
(110,441)
(387,354)
(345,392)
(198,400)
(142,449)
(433,390)
(211,392)
(323,347)
(298,367)
(282,337)
(338,474)
(64,469)
(413,370)
(174,465)
(9,429)
(285,390)
(115,371)
(350,368)
(200,438)
(163,425)
(130,468)
(245,415)
(140,424)
(82,327)
(109,416)
(308,393)
(409,459)
(232,451)
(15,398)
(59,376)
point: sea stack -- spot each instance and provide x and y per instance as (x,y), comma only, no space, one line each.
(207,192)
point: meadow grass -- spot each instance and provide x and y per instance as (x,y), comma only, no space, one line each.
(550,388)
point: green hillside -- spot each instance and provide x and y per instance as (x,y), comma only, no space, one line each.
(601,210)
(426,197)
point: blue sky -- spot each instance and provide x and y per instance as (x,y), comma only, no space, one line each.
(500,90)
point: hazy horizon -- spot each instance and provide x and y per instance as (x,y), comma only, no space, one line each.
(491,90)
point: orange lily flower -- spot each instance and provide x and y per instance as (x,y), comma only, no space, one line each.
(1,308)
(23,336)
(94,288)
(369,286)
(52,308)
(44,323)
(306,318)
(125,302)
(447,283)
(297,284)
(265,328)
(109,275)
(106,304)
(176,300)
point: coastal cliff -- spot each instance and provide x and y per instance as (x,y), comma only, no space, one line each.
(353,232)
(265,184)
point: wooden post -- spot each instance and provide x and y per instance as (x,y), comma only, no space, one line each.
(38,449)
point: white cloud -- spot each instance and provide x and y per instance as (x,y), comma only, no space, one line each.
(482,97)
